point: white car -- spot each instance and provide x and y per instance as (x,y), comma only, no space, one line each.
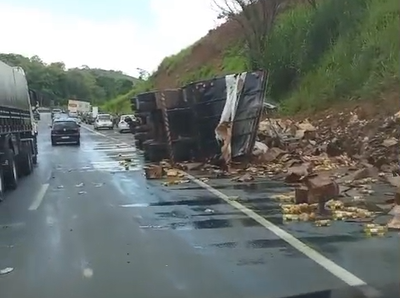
(103,121)
(122,125)
(75,117)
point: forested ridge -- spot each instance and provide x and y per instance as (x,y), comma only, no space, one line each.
(60,84)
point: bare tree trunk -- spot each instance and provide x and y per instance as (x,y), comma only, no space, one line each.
(313,3)
(256,19)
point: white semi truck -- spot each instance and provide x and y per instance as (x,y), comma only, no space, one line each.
(78,106)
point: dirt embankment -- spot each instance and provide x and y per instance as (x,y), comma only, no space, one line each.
(208,50)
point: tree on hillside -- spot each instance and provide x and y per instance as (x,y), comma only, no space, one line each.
(256,19)
(143,74)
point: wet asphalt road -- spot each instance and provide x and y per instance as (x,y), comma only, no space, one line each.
(82,226)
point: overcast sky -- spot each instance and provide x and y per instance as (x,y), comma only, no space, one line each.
(110,34)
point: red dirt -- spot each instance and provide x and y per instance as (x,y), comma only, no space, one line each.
(208,50)
(381,107)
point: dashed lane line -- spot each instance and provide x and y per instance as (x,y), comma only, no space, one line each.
(104,135)
(338,271)
(39,197)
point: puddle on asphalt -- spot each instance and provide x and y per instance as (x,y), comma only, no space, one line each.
(172,214)
(193,202)
(206,224)
(247,262)
(279,243)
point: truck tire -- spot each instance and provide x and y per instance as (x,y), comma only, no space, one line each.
(11,170)
(34,157)
(144,115)
(2,185)
(25,165)
(142,128)
(155,151)
(146,106)
(142,136)
(139,144)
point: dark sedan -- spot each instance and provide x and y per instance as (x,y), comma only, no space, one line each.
(65,131)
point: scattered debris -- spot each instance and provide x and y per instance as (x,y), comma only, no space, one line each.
(375,230)
(79,185)
(87,272)
(244,178)
(322,223)
(394,223)
(153,172)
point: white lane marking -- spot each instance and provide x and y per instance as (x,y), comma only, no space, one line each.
(105,136)
(39,197)
(323,261)
(338,271)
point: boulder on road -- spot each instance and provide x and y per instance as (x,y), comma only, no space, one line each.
(321,188)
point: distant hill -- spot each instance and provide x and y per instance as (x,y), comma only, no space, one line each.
(94,85)
(115,74)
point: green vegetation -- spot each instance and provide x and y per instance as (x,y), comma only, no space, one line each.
(343,50)
(315,55)
(169,63)
(95,85)
(122,103)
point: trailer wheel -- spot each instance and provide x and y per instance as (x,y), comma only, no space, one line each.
(11,171)
(2,185)
(25,162)
(143,128)
(139,144)
(34,156)
(146,106)
(142,114)
(155,152)
(142,136)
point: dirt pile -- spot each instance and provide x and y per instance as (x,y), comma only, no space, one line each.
(344,139)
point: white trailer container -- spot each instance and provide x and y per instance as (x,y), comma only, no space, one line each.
(78,106)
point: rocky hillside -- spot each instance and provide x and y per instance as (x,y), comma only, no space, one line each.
(316,53)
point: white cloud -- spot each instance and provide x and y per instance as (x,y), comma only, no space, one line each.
(120,44)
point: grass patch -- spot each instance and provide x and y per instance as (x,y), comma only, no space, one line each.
(360,62)
(122,103)
(169,64)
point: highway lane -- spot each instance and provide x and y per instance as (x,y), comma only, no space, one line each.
(83,226)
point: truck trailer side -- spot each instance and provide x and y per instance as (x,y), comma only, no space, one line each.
(18,133)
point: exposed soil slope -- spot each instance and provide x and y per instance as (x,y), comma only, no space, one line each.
(208,50)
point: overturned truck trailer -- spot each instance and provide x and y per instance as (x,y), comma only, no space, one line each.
(202,120)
